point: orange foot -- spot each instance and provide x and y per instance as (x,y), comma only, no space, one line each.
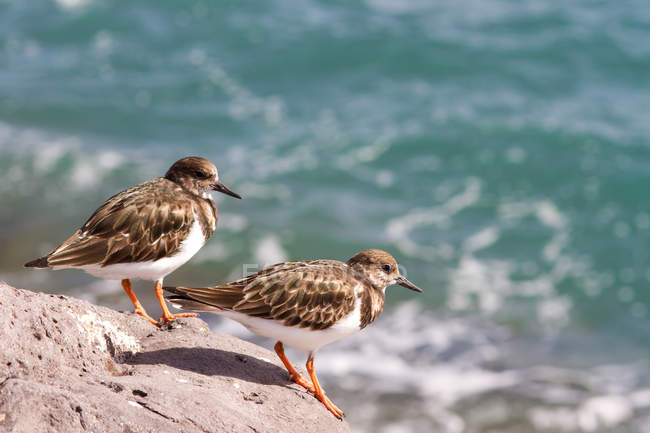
(293,374)
(165,319)
(143,313)
(319,393)
(167,316)
(329,405)
(302,381)
(139,309)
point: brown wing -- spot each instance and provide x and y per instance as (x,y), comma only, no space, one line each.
(310,294)
(146,222)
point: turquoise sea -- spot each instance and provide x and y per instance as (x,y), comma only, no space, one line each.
(499,149)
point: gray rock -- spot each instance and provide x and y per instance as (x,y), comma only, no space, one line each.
(69,366)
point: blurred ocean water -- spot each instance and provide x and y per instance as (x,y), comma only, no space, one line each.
(499,149)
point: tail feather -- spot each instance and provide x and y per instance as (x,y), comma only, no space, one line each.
(183,302)
(38,263)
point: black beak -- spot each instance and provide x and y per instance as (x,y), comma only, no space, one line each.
(406,283)
(218,186)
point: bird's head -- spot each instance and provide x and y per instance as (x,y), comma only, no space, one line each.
(199,176)
(380,268)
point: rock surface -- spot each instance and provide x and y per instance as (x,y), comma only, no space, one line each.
(70,366)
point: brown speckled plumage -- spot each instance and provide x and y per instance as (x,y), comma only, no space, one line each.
(144,223)
(307,294)
(372,303)
(312,294)
(136,225)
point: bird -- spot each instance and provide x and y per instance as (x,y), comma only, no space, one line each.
(146,232)
(303,304)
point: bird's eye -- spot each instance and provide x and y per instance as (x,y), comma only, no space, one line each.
(387,268)
(200,174)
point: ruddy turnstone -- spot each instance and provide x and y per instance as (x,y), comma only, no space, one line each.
(146,231)
(305,304)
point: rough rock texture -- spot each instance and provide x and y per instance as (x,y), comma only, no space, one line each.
(70,366)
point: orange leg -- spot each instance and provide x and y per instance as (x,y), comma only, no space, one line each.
(293,374)
(167,316)
(319,393)
(139,309)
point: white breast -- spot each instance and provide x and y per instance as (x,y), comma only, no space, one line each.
(153,270)
(300,338)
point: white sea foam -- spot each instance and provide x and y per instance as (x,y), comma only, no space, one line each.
(489,284)
(368,153)
(72,4)
(549,214)
(269,251)
(88,172)
(243,103)
(482,239)
(232,222)
(103,42)
(398,229)
(46,151)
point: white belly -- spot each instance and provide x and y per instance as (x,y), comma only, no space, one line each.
(152,270)
(300,338)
